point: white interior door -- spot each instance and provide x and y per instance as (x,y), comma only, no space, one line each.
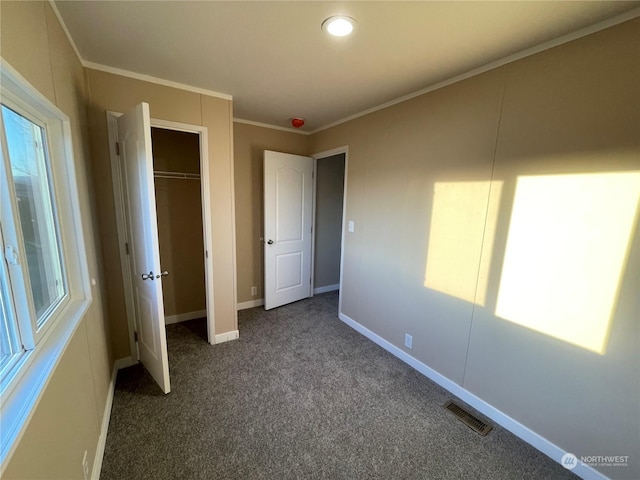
(134,139)
(288,197)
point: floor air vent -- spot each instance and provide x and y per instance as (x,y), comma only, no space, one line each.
(468,419)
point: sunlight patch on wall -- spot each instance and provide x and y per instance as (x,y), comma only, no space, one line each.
(565,254)
(458,221)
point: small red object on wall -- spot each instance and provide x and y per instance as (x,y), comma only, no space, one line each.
(297,122)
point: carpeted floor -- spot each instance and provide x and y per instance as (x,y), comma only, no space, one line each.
(299,396)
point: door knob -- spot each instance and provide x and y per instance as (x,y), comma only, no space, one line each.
(163,274)
(269,242)
(147,276)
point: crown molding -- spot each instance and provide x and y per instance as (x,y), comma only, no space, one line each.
(130,74)
(268,125)
(156,80)
(583,32)
(66,30)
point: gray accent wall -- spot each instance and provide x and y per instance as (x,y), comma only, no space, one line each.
(328,227)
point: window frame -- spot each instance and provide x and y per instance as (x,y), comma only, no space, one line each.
(7,305)
(23,385)
(31,332)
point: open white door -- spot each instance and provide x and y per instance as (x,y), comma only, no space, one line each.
(288,197)
(134,140)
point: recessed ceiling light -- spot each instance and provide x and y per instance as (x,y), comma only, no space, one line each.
(339,25)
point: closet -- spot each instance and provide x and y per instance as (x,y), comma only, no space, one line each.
(176,164)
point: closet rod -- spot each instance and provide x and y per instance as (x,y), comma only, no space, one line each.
(187,176)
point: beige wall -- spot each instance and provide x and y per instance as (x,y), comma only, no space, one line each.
(328,227)
(109,92)
(460,150)
(249,143)
(33,42)
(432,186)
(179,212)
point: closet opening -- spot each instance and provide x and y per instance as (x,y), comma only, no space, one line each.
(177,180)
(160,173)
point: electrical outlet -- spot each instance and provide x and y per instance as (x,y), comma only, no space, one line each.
(254,291)
(85,466)
(408,340)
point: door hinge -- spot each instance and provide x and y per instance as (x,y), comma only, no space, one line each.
(135,336)
(117,148)
(126,247)
(206,254)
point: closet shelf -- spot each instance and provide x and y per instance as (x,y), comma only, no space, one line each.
(182,175)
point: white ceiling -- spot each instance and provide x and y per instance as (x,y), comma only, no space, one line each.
(276,62)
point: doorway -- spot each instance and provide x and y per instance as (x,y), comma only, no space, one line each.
(176,167)
(330,173)
(288,191)
(328,217)
(204,212)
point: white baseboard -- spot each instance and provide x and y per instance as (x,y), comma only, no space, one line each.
(532,438)
(124,362)
(327,288)
(227,336)
(250,304)
(260,302)
(183,317)
(106,416)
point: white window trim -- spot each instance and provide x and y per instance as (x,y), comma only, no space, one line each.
(23,387)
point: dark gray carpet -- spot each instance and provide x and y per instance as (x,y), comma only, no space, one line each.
(299,396)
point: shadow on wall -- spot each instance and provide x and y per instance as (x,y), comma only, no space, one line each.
(554,249)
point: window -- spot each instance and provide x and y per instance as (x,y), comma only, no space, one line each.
(44,289)
(31,178)
(30,230)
